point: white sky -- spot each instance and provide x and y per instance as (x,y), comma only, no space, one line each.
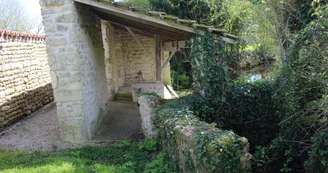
(32,8)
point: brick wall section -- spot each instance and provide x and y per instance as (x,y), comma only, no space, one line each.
(25,84)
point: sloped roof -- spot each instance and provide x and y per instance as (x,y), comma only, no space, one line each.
(171,28)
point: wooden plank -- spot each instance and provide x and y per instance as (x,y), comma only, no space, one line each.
(168,60)
(158,52)
(138,31)
(142,18)
(177,35)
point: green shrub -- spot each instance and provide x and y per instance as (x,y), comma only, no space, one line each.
(148,145)
(158,165)
(318,155)
(248,109)
(180,80)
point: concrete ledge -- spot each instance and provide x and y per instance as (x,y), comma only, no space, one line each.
(148,87)
(194,145)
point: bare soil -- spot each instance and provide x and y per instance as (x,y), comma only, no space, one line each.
(39,131)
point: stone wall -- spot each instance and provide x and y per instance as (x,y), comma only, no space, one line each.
(124,58)
(193,145)
(24,77)
(114,60)
(76,59)
(137,59)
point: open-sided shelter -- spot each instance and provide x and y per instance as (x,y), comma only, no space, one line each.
(97,48)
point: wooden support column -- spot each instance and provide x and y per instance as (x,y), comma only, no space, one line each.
(168,60)
(158,52)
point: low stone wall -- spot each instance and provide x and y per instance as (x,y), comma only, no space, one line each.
(194,145)
(25,84)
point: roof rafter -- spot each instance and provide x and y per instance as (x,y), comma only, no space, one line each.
(158,23)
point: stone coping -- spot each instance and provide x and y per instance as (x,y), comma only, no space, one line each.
(21,35)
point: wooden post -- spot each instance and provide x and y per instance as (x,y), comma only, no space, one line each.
(158,52)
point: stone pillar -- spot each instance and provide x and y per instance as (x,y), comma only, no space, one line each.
(76,60)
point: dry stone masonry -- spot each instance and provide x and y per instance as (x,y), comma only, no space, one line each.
(148,106)
(125,58)
(191,142)
(25,84)
(76,59)
(90,59)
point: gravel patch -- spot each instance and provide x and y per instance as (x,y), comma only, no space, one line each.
(39,131)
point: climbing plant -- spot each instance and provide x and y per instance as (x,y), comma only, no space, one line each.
(210,69)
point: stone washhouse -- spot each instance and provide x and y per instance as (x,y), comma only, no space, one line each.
(95,49)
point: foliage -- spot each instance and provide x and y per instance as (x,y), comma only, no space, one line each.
(148,145)
(210,69)
(288,110)
(139,3)
(123,157)
(180,81)
(248,109)
(318,155)
(301,103)
(158,165)
(187,9)
(216,151)
(13,17)
(147,93)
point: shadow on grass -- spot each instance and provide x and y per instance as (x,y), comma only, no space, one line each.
(87,159)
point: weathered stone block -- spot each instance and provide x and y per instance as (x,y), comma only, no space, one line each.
(73,130)
(56,41)
(61,28)
(68,96)
(51,2)
(5,108)
(148,105)
(66,18)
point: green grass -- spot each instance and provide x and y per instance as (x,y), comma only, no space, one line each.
(123,157)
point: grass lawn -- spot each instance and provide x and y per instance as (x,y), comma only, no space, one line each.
(123,157)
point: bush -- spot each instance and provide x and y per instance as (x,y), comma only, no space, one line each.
(248,109)
(180,80)
(318,156)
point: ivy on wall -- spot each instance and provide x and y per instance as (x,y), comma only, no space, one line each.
(210,69)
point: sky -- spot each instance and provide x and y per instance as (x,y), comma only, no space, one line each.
(32,8)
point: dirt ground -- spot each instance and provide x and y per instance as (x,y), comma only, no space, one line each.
(39,131)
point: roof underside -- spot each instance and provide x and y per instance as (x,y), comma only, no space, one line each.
(151,23)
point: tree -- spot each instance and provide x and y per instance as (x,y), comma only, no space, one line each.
(13,17)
